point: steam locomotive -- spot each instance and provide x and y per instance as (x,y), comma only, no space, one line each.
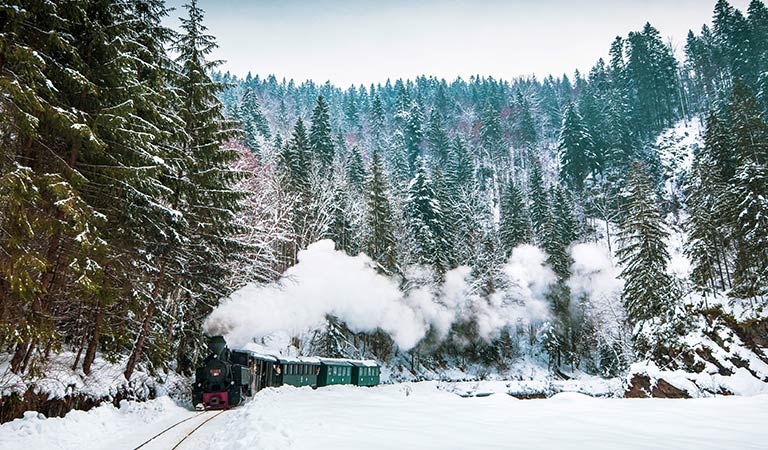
(228,377)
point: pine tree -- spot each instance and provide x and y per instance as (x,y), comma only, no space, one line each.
(426,221)
(651,76)
(437,138)
(210,182)
(514,227)
(377,123)
(707,224)
(379,240)
(351,114)
(356,169)
(461,167)
(294,165)
(538,201)
(413,135)
(491,133)
(253,120)
(525,126)
(749,193)
(320,135)
(577,157)
(643,254)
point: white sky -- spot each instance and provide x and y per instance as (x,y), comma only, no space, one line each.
(367,41)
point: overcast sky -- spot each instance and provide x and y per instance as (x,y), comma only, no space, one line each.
(367,41)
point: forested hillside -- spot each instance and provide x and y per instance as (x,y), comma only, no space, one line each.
(441,174)
(140,185)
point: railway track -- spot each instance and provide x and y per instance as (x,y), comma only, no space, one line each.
(212,415)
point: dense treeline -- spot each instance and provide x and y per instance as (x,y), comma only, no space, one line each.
(137,190)
(116,194)
(443,174)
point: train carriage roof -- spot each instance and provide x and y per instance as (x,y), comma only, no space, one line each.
(259,356)
(335,362)
(363,363)
(300,360)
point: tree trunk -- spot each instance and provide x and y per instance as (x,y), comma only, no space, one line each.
(93,344)
(79,351)
(19,354)
(137,349)
(28,356)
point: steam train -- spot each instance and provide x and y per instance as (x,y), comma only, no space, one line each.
(228,377)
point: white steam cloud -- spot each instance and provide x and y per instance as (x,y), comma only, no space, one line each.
(330,282)
(593,274)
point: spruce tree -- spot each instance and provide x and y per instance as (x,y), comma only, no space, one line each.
(643,254)
(538,201)
(525,124)
(491,133)
(514,227)
(749,193)
(356,169)
(206,166)
(413,135)
(253,120)
(295,169)
(377,123)
(320,135)
(577,156)
(707,236)
(437,138)
(426,221)
(379,237)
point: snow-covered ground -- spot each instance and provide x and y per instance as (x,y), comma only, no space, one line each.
(410,416)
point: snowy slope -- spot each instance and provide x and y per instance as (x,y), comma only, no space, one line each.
(415,416)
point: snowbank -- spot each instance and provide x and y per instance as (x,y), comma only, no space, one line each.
(59,388)
(415,416)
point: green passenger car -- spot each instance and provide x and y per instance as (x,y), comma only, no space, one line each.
(300,371)
(365,373)
(334,371)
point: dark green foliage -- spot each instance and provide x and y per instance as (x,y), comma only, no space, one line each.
(708,223)
(379,244)
(538,201)
(427,221)
(253,120)
(525,124)
(653,86)
(491,133)
(439,146)
(294,168)
(515,228)
(321,136)
(356,169)
(132,194)
(749,193)
(577,150)
(643,253)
